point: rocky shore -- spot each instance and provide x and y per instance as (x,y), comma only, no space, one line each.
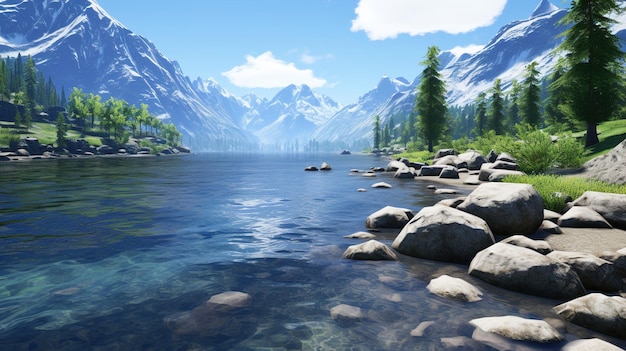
(505,237)
(31,149)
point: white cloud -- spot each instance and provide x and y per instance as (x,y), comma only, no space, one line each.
(266,71)
(387,19)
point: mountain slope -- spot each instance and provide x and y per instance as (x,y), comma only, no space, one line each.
(466,75)
(98,54)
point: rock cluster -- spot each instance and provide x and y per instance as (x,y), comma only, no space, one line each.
(491,231)
(31,148)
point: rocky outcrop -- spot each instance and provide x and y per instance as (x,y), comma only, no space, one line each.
(582,217)
(371,250)
(609,168)
(526,271)
(594,344)
(444,234)
(596,312)
(507,208)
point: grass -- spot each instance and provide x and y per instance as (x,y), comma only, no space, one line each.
(46,133)
(611,133)
(555,189)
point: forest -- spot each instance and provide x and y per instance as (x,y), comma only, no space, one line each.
(27,96)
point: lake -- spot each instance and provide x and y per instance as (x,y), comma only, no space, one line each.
(114,253)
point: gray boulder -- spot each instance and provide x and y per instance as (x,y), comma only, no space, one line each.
(506,158)
(404,173)
(611,206)
(360,235)
(443,233)
(449,173)
(371,250)
(394,165)
(326,167)
(507,208)
(444,152)
(594,272)
(517,328)
(594,344)
(431,171)
(541,246)
(526,271)
(454,288)
(389,217)
(488,174)
(346,314)
(582,217)
(597,312)
(509,166)
(473,159)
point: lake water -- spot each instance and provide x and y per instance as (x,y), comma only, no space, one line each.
(109,253)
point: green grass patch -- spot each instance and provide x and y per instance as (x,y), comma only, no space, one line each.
(611,134)
(554,189)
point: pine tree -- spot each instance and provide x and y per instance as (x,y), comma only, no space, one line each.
(377,133)
(61,130)
(480,118)
(430,103)
(531,96)
(495,119)
(592,83)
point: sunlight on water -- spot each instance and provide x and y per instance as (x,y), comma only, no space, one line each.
(124,254)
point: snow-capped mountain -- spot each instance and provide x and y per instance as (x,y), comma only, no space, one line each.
(80,45)
(354,122)
(466,74)
(293,114)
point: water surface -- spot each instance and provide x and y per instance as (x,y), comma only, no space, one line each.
(106,253)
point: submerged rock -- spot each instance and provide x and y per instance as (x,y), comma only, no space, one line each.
(517,328)
(454,288)
(597,312)
(370,250)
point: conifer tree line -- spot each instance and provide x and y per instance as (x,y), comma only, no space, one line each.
(585,88)
(22,84)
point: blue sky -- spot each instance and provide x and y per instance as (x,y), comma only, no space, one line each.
(341,48)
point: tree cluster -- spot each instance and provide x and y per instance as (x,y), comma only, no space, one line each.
(584,89)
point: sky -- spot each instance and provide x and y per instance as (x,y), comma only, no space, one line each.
(340,48)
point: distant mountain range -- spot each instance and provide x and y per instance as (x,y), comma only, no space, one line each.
(79,44)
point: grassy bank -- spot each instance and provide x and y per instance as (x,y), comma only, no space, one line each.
(44,132)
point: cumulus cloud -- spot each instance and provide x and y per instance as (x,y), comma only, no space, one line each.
(387,19)
(266,71)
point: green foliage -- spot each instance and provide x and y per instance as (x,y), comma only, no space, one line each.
(534,152)
(8,138)
(555,189)
(495,120)
(593,81)
(430,102)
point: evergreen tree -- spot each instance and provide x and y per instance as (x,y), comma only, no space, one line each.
(513,108)
(555,106)
(430,103)
(592,83)
(4,84)
(377,133)
(61,130)
(531,96)
(495,120)
(480,118)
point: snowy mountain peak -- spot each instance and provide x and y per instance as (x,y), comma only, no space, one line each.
(544,7)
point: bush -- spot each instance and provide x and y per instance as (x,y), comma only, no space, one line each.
(534,152)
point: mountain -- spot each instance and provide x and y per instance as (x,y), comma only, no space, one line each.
(98,54)
(466,75)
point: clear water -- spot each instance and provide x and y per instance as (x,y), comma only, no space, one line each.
(102,254)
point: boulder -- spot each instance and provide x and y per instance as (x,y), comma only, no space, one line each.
(360,235)
(550,227)
(431,171)
(507,208)
(389,217)
(232,299)
(597,312)
(594,272)
(449,173)
(325,167)
(381,184)
(404,173)
(444,152)
(618,259)
(594,344)
(454,288)
(443,233)
(582,217)
(486,173)
(394,165)
(446,192)
(541,246)
(492,156)
(346,314)
(526,271)
(551,216)
(517,328)
(371,250)
(509,166)
(473,160)
(506,158)
(610,206)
